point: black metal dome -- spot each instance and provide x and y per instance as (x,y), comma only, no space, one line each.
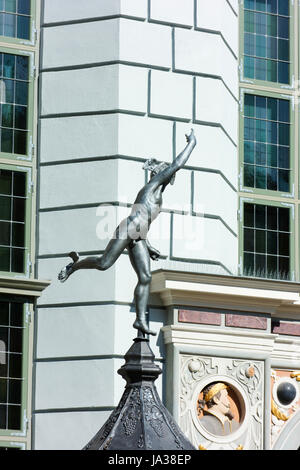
(140,421)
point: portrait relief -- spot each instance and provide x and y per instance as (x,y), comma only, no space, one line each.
(219,409)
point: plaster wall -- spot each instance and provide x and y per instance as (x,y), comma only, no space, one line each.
(122,81)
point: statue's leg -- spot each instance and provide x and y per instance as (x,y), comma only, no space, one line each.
(140,260)
(112,252)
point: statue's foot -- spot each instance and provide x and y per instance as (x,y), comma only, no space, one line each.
(65,272)
(142,326)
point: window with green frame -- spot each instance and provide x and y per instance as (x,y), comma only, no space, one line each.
(15,18)
(267,143)
(14,86)
(266,40)
(266,235)
(13,202)
(12,375)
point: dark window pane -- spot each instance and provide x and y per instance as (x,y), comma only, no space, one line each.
(272,108)
(284,244)
(284,157)
(272,179)
(19,183)
(249,176)
(14,417)
(9,25)
(15,369)
(8,66)
(249,67)
(260,241)
(15,388)
(260,216)
(260,47)
(250,4)
(248,264)
(261,69)
(283,72)
(18,235)
(283,27)
(248,240)
(24,7)
(16,314)
(17,260)
(20,117)
(18,210)
(284,110)
(4,259)
(16,339)
(249,22)
(249,152)
(5,181)
(261,131)
(283,49)
(21,92)
(9,91)
(20,142)
(284,267)
(284,134)
(4,312)
(260,177)
(6,140)
(271,218)
(5,208)
(21,67)
(3,390)
(283,7)
(249,133)
(261,5)
(272,6)
(272,266)
(249,44)
(272,70)
(272,132)
(272,155)
(260,265)
(249,102)
(249,215)
(283,180)
(272,49)
(3,416)
(272,243)
(4,338)
(5,233)
(260,107)
(260,154)
(23,27)
(7,115)
(284,219)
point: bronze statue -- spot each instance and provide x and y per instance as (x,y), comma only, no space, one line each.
(132,233)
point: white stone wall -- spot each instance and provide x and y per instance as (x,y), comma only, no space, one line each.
(122,81)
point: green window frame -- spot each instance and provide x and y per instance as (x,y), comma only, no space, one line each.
(266,144)
(15,220)
(266,246)
(17,17)
(16,104)
(263,43)
(14,367)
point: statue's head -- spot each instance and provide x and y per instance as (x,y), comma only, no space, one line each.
(155,167)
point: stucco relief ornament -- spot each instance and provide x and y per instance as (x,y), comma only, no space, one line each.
(131,233)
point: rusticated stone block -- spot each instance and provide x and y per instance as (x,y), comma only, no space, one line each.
(245,321)
(199,317)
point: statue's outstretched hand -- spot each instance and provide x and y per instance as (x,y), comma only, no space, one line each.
(154,253)
(191,137)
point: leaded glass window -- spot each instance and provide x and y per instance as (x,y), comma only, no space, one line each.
(12,220)
(267,143)
(266,40)
(11,364)
(15,18)
(14,85)
(267,235)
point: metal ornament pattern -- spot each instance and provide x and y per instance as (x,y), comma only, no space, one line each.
(140,421)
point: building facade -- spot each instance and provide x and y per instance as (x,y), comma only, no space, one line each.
(90,91)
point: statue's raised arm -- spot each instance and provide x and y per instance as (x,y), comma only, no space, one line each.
(167,175)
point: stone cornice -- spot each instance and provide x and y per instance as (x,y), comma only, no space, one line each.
(22,286)
(277,298)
